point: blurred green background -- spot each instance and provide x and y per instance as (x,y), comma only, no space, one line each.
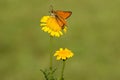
(93,35)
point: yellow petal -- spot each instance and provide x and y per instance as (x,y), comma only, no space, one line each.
(44,18)
(60,33)
(57,34)
(52,33)
(42,24)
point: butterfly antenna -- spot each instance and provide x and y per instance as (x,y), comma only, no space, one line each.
(51,8)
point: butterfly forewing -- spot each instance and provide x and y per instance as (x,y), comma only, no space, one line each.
(63,14)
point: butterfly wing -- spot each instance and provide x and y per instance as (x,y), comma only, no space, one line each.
(61,17)
(63,14)
(61,22)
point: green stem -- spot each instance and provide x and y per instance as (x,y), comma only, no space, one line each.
(51,55)
(62,71)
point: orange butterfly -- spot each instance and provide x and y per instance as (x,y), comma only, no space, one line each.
(61,17)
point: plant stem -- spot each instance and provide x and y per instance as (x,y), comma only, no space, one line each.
(62,71)
(51,60)
(51,55)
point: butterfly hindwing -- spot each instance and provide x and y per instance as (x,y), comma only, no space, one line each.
(60,21)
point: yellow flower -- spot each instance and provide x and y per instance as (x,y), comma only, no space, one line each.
(50,25)
(63,54)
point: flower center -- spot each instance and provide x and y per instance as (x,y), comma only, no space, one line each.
(53,24)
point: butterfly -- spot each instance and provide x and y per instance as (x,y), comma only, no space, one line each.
(61,17)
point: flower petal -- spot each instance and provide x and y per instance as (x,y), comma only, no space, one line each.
(44,18)
(63,54)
